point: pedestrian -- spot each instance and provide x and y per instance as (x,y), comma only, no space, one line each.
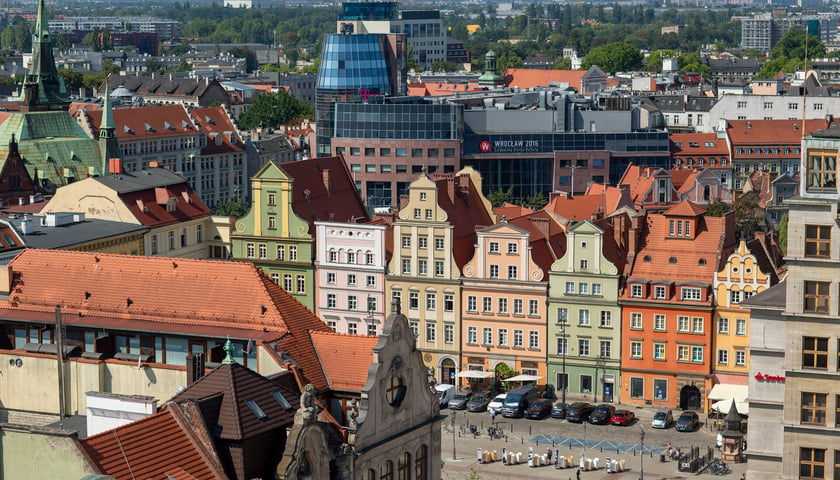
(493,416)
(743,476)
(577,474)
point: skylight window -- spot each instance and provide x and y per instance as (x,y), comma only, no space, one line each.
(256,409)
(281,400)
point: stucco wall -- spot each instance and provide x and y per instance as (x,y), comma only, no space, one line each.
(58,458)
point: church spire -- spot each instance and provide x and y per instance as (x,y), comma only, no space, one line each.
(43,89)
(108,145)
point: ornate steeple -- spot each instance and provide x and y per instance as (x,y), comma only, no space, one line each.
(228,348)
(43,89)
(108,145)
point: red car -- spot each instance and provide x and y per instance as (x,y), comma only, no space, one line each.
(623,417)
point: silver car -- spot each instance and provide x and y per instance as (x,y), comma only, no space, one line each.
(459,401)
(662,419)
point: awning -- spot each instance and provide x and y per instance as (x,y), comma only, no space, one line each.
(723,406)
(523,378)
(727,391)
(473,374)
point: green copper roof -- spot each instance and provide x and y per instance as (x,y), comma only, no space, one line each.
(43,72)
(107,112)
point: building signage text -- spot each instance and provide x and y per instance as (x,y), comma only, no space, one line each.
(769,378)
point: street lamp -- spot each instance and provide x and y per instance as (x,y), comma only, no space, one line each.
(642,469)
(562,314)
(453,436)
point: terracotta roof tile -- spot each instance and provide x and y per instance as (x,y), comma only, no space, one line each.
(685,209)
(547,239)
(222,135)
(684,144)
(346,358)
(510,210)
(151,448)
(465,211)
(528,77)
(139,123)
(771,132)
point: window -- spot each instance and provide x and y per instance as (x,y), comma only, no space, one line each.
(740,326)
(682,323)
(660,389)
(422,267)
(533,339)
(352,302)
(512,272)
(636,349)
(272,199)
(697,324)
(487,305)
(438,268)
(249,249)
(596,289)
(406,266)
(494,247)
(815,352)
(533,307)
(659,322)
(570,288)
(659,351)
(293,254)
(415,329)
(287,282)
(503,337)
(449,333)
(370,281)
(472,303)
(281,254)
(406,241)
(562,345)
(422,243)
(583,316)
(723,357)
(583,288)
(793,106)
(817,241)
(659,292)
(413,300)
(735,297)
(369,258)
(583,347)
(431,332)
(636,291)
(768,105)
(431,301)
(813,408)
(351,279)
(429,214)
(517,338)
(199,234)
(742,104)
(818,106)
(494,271)
(487,336)
(697,354)
(682,353)
(438,244)
(154,244)
(417,213)
(512,249)
(723,325)
(822,169)
(637,387)
(691,294)
(606,348)
(353,328)
(584,264)
(448,302)
(330,300)
(740,358)
(816,297)
(272,222)
(517,306)
(472,335)
(636,321)
(811,463)
(606,318)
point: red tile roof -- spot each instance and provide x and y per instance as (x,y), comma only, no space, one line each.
(547,239)
(685,209)
(141,123)
(684,144)
(222,136)
(346,358)
(771,132)
(529,77)
(510,210)
(465,210)
(153,448)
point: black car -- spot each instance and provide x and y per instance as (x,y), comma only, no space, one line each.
(539,409)
(578,412)
(558,410)
(478,403)
(687,422)
(601,414)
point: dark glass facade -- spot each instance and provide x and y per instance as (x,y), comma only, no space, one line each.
(524,143)
(524,176)
(398,121)
(368,10)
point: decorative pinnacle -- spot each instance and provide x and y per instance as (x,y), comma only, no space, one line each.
(228,348)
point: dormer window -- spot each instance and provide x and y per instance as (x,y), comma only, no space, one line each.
(659,292)
(691,294)
(636,291)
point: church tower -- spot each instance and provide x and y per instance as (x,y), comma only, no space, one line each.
(43,89)
(108,146)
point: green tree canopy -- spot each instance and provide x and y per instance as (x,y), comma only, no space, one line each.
(231,208)
(443,66)
(654,60)
(72,79)
(614,57)
(789,53)
(273,110)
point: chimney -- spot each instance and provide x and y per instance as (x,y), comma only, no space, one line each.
(829,119)
(542,226)
(450,189)
(115,166)
(325,176)
(633,239)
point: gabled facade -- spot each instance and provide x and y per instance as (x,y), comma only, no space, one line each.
(655,190)
(667,308)
(273,237)
(503,318)
(434,237)
(584,315)
(350,276)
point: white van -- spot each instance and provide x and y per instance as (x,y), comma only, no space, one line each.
(445,392)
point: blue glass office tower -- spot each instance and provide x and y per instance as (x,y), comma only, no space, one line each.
(356,68)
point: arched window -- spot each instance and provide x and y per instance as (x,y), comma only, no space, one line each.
(404,467)
(387,471)
(421,469)
(371,475)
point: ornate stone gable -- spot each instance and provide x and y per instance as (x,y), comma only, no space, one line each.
(585,251)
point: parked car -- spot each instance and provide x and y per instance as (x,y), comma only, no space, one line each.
(444,392)
(622,417)
(578,412)
(495,406)
(459,401)
(601,414)
(478,403)
(662,419)
(539,409)
(518,400)
(558,410)
(687,422)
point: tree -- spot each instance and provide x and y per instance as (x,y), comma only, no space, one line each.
(789,53)
(73,80)
(782,231)
(614,57)
(230,208)
(251,63)
(498,198)
(444,66)
(718,208)
(654,60)
(747,215)
(536,202)
(273,110)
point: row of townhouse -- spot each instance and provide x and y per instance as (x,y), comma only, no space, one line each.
(615,304)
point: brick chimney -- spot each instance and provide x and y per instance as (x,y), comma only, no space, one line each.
(115,166)
(542,226)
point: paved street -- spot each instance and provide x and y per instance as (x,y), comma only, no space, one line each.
(595,441)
